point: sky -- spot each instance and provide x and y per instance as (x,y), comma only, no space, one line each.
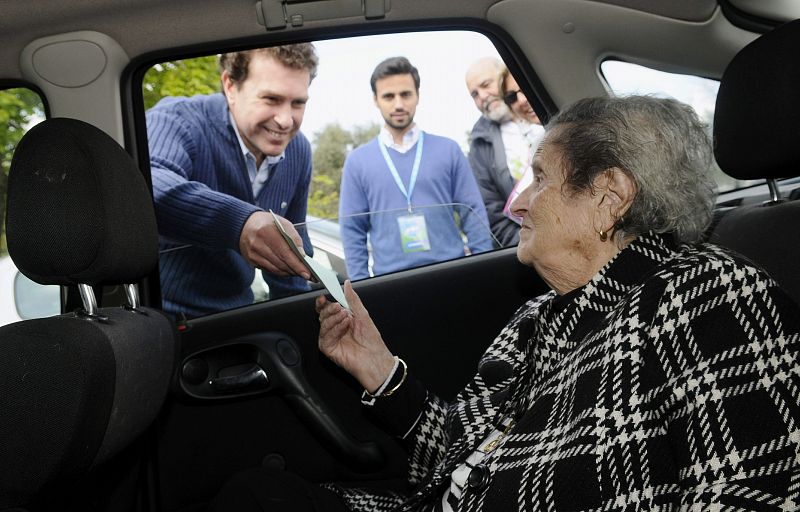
(700,93)
(341,91)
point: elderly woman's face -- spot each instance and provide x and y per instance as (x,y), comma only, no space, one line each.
(556,236)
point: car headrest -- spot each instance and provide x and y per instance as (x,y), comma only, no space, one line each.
(757,117)
(79,210)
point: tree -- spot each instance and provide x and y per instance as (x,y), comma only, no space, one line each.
(180,78)
(331,147)
(19,109)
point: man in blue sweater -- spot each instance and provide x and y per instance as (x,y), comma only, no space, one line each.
(415,190)
(218,163)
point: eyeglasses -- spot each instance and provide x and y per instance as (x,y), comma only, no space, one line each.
(510,97)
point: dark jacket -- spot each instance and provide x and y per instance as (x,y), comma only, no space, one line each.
(487,157)
(668,382)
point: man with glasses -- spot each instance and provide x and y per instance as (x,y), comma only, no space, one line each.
(497,145)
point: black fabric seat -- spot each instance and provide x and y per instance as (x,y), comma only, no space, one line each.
(757,135)
(76,389)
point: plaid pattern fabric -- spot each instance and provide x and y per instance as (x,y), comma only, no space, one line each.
(669,382)
(362,499)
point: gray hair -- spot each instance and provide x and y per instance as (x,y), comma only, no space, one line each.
(660,143)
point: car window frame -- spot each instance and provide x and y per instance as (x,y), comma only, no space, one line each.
(133,75)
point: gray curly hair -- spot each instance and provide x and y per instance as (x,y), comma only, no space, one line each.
(660,143)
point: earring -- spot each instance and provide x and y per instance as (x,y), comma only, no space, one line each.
(603,235)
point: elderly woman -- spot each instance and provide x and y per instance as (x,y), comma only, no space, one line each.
(658,373)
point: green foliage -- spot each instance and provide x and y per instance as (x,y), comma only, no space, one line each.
(331,147)
(180,78)
(19,109)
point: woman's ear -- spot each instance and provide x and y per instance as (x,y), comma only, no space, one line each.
(616,191)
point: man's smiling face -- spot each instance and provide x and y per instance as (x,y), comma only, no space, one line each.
(268,106)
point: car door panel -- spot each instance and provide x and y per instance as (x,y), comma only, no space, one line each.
(440,319)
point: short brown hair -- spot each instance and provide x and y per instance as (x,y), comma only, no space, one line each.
(394,66)
(296,56)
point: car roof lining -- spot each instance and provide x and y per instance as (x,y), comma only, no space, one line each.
(777,10)
(213,20)
(567,40)
(687,10)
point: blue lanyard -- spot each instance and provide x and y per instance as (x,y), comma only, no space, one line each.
(414,170)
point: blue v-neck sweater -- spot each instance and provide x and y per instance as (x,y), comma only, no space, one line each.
(203,196)
(444,178)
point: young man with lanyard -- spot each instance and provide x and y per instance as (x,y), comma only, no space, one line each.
(410,188)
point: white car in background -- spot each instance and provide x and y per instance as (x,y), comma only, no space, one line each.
(21,298)
(326,239)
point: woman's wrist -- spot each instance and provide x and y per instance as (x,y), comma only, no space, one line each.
(394,381)
(378,373)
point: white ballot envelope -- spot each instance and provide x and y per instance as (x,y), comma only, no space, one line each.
(319,272)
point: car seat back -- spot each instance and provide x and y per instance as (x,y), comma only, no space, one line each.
(77,388)
(757,135)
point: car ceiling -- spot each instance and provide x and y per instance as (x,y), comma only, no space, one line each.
(176,23)
(163,24)
(562,40)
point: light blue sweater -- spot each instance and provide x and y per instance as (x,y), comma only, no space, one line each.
(444,177)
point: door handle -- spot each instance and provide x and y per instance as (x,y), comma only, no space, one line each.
(252,377)
(240,368)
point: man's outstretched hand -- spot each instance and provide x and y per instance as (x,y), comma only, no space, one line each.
(263,246)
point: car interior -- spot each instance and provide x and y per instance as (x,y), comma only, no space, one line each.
(112,405)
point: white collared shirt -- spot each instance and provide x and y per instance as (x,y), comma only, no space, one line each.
(517,146)
(258,177)
(409,139)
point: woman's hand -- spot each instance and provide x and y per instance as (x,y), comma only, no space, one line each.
(352,341)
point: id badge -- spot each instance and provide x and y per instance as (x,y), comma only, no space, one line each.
(413,233)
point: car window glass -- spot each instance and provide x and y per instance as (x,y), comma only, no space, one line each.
(342,115)
(34,300)
(625,78)
(456,228)
(20,109)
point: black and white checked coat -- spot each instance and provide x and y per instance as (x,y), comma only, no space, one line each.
(669,382)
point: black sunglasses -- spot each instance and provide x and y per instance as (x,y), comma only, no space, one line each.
(510,97)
